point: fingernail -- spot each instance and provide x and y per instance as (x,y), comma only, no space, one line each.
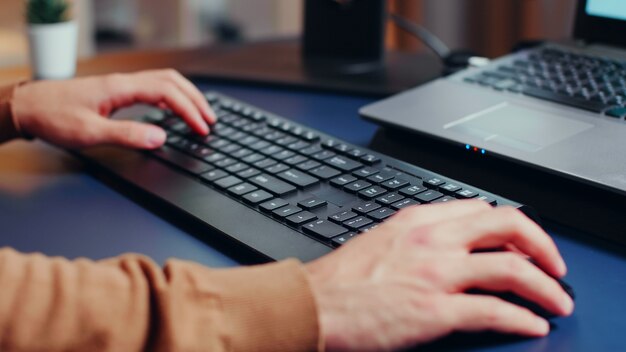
(156,138)
(542,325)
(567,305)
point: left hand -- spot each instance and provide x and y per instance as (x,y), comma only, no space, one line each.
(74,113)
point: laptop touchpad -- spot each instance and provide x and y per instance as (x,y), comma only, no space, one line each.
(518,127)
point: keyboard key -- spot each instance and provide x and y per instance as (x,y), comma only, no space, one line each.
(273,204)
(241,153)
(298,178)
(330,144)
(372,192)
(366,207)
(285,141)
(312,203)
(299,145)
(325,172)
(381,214)
(308,165)
(271,150)
(405,203)
(228,182)
(366,172)
(242,189)
(260,145)
(445,199)
(434,182)
(213,158)
(311,150)
(356,153)
(253,158)
(226,162)
(257,197)
(450,188)
(214,175)
(342,148)
(467,194)
(356,186)
(488,199)
(181,160)
(276,169)
(370,159)
(301,218)
(389,199)
(343,239)
(266,163)
(428,196)
(342,180)
(286,211)
(272,184)
(394,184)
(344,164)
(294,160)
(238,167)
(285,154)
(356,223)
(381,177)
(310,136)
(410,191)
(324,229)
(342,216)
(251,172)
(369,227)
(326,154)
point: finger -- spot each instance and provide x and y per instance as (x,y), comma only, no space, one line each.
(501,226)
(154,90)
(130,134)
(480,313)
(423,215)
(194,94)
(502,272)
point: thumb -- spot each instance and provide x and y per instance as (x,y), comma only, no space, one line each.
(131,134)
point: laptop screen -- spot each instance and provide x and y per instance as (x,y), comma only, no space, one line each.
(615,9)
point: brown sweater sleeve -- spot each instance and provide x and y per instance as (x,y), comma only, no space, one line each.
(8,130)
(131,304)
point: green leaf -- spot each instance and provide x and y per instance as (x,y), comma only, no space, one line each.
(47,11)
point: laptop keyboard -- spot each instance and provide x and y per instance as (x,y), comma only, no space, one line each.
(586,82)
(318,185)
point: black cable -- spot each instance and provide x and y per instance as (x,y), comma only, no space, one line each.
(435,44)
(454,60)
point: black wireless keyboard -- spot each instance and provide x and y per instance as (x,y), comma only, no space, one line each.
(314,184)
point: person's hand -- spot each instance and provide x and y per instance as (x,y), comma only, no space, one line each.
(405,282)
(74,113)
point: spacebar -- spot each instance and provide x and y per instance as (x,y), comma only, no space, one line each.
(565,100)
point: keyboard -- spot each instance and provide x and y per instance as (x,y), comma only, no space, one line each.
(316,185)
(592,83)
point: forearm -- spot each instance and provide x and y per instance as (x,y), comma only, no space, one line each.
(131,304)
(8,129)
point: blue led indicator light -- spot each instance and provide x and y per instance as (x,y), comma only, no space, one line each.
(467,146)
(483,151)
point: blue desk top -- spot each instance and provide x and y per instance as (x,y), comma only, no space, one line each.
(64,211)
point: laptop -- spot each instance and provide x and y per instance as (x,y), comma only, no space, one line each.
(559,107)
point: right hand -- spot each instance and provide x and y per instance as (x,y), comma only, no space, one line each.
(404,283)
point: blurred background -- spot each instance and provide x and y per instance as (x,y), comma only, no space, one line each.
(489,27)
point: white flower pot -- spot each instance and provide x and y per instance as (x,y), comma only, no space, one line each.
(53,49)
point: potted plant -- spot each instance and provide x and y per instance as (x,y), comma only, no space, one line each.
(53,39)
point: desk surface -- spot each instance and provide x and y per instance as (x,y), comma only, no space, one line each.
(49,204)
